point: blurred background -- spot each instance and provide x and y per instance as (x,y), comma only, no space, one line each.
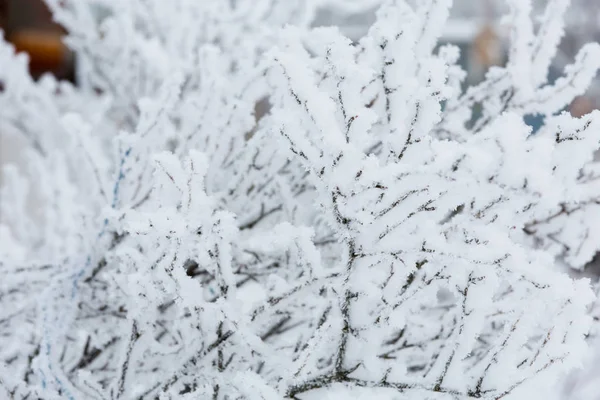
(28,25)
(473,26)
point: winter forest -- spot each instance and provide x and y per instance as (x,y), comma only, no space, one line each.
(237,201)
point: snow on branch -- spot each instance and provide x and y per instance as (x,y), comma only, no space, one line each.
(228,209)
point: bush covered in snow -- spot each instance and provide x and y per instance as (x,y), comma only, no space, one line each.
(226,208)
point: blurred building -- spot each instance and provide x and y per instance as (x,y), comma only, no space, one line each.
(473,26)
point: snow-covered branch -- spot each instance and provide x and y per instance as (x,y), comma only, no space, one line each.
(229,208)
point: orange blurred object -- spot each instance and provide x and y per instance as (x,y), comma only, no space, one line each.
(45,48)
(28,25)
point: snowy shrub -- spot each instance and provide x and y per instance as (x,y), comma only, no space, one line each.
(228,209)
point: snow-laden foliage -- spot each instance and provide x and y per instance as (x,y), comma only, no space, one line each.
(226,208)
(570,230)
